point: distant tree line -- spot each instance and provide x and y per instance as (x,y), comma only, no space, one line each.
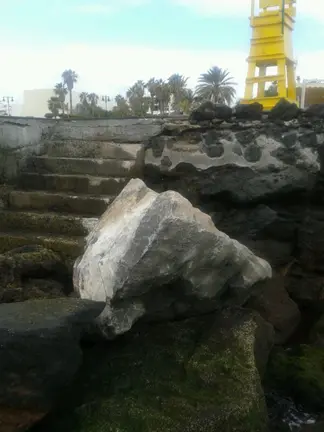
(157,96)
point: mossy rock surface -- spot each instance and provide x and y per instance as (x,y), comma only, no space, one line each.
(197,375)
(299,373)
(32,272)
(68,248)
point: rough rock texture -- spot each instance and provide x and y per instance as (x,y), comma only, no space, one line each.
(21,138)
(317,333)
(39,355)
(243,162)
(197,375)
(32,272)
(298,372)
(155,256)
(273,303)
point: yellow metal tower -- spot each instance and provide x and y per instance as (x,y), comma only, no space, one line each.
(271,45)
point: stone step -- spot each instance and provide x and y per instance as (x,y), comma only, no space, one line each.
(68,247)
(83,184)
(46,223)
(94,149)
(58,202)
(85,166)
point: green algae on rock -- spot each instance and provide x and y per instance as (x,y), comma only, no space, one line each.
(197,375)
(299,372)
(23,274)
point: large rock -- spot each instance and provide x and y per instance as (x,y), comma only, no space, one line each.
(270,232)
(39,355)
(241,162)
(196,375)
(249,111)
(273,303)
(209,111)
(284,110)
(155,256)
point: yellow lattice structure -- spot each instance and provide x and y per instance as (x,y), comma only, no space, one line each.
(271,46)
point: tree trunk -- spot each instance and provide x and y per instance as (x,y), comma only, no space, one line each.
(70,91)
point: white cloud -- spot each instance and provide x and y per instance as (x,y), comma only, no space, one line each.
(305,8)
(111,69)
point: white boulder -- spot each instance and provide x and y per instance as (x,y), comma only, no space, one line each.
(155,256)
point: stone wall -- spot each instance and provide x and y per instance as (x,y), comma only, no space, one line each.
(22,137)
(247,161)
(244,159)
(19,137)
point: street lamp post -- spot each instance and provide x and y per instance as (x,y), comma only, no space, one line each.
(106,99)
(7,100)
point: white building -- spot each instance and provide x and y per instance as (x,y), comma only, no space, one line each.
(35,102)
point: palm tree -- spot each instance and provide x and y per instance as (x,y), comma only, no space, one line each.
(186,103)
(84,98)
(178,85)
(163,95)
(151,87)
(217,86)
(61,91)
(93,99)
(121,107)
(138,102)
(70,77)
(54,105)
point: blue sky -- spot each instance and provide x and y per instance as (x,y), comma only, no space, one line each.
(113,43)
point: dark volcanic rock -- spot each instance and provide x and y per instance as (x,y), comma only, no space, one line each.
(39,355)
(306,288)
(209,111)
(238,164)
(249,111)
(284,110)
(311,241)
(273,303)
(317,333)
(196,375)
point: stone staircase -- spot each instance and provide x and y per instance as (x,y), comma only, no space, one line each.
(61,194)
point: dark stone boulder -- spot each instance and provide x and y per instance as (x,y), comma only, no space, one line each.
(311,241)
(209,111)
(197,375)
(306,288)
(316,335)
(249,111)
(284,110)
(273,303)
(39,355)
